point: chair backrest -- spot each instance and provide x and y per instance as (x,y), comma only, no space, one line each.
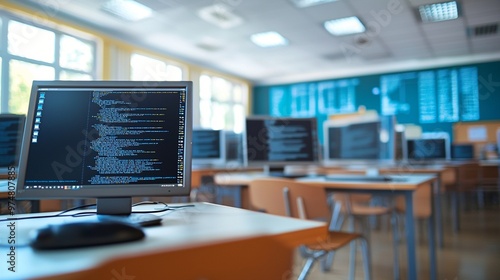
(267,195)
(303,201)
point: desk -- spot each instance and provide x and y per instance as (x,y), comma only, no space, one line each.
(405,188)
(194,229)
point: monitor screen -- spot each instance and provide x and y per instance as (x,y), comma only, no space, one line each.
(462,151)
(234,148)
(400,150)
(280,141)
(110,140)
(427,149)
(208,147)
(352,141)
(11,133)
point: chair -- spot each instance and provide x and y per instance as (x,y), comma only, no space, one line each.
(286,197)
(359,207)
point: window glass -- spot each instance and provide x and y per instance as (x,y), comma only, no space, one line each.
(21,77)
(143,68)
(35,52)
(222,104)
(205,87)
(76,54)
(221,89)
(71,75)
(31,42)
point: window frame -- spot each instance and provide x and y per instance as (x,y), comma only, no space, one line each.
(59,31)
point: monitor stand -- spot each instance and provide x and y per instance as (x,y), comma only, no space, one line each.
(120,209)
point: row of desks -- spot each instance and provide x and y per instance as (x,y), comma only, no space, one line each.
(406,186)
(453,177)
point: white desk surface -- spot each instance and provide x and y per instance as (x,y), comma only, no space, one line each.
(202,224)
(402,182)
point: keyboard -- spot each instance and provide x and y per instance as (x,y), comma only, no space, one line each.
(287,175)
(359,178)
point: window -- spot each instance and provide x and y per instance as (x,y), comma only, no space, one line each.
(29,51)
(222,104)
(144,68)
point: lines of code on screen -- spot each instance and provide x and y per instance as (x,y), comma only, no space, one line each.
(100,137)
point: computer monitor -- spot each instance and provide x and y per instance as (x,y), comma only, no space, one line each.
(11,134)
(357,141)
(429,147)
(110,140)
(401,153)
(274,142)
(234,148)
(462,151)
(209,148)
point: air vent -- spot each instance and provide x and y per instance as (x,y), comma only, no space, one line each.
(209,44)
(484,30)
(208,47)
(220,15)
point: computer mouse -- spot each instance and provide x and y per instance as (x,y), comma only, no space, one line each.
(83,234)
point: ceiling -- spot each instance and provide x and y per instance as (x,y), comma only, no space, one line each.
(395,39)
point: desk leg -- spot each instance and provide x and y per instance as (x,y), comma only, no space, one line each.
(437,210)
(238,201)
(432,250)
(35,206)
(455,212)
(235,191)
(410,236)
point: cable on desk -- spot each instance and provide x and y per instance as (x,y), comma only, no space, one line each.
(82,214)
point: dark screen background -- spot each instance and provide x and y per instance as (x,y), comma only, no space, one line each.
(66,132)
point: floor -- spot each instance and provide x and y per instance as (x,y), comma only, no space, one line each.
(472,253)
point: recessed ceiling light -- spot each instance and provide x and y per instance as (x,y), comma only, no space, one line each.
(309,3)
(439,11)
(344,26)
(268,39)
(220,15)
(127,9)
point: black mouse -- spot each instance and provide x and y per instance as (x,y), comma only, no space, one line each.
(83,234)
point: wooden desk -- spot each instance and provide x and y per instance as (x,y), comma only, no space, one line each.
(405,188)
(198,230)
(489,173)
(197,173)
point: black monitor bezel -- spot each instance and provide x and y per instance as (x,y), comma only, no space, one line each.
(106,191)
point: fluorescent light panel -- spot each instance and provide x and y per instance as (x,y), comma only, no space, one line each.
(309,3)
(268,39)
(439,11)
(127,9)
(344,26)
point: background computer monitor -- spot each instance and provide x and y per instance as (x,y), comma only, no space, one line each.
(433,146)
(400,153)
(462,151)
(11,134)
(110,140)
(276,142)
(209,147)
(359,141)
(234,148)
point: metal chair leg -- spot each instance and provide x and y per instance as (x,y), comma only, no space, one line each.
(352,261)
(366,258)
(395,244)
(307,267)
